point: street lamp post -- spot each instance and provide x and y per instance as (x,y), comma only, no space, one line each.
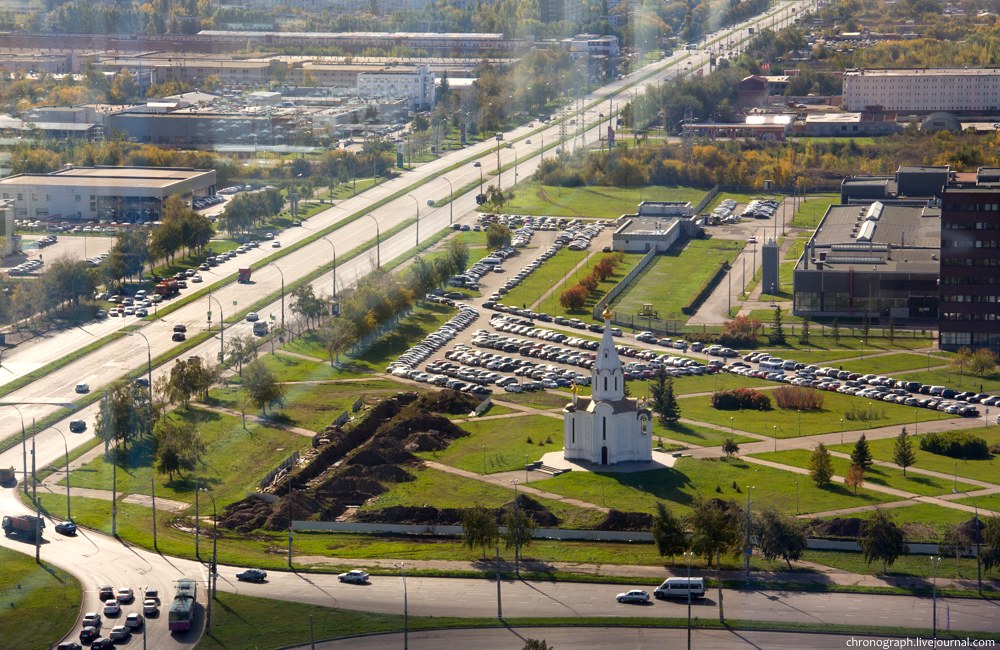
(979,564)
(796,496)
(222,334)
(749,548)
(841,430)
(935,560)
(212,573)
(24,447)
(282,294)
(775,427)
(406,608)
(688,555)
(418,216)
(480,166)
(334,249)
(378,243)
(69,512)
(197,520)
(499,138)
(451,201)
(510,145)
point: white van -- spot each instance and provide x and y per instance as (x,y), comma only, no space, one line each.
(491,261)
(680,588)
(936,390)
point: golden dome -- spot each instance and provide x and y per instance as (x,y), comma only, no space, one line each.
(607,313)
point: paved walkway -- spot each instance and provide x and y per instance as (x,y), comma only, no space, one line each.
(572,271)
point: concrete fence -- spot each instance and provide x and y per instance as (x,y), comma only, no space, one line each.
(285,464)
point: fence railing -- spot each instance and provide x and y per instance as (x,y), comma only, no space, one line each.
(623,283)
(284,466)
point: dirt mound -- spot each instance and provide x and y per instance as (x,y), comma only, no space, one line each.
(419,515)
(972,529)
(626,521)
(447,401)
(538,513)
(246,515)
(838,527)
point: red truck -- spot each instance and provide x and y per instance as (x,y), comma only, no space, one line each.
(167,288)
(244,275)
(27,526)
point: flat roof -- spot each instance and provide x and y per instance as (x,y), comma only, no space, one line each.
(648,226)
(150,177)
(924,72)
(906,238)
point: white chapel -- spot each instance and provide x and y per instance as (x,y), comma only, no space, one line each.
(607,428)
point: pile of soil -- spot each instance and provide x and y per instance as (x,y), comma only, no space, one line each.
(972,529)
(626,521)
(421,515)
(538,513)
(452,402)
(356,463)
(848,527)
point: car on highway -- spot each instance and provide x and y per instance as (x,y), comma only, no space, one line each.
(150,607)
(196,278)
(276,244)
(66,528)
(83,388)
(69,645)
(141,312)
(89,633)
(252,317)
(105,592)
(120,633)
(112,608)
(102,643)
(134,621)
(77,426)
(178,336)
(180,327)
(91,619)
(252,575)
(633,596)
(356,577)
(125,595)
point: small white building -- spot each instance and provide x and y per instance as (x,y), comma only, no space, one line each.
(607,428)
(416,86)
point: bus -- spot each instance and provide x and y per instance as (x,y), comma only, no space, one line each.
(182,609)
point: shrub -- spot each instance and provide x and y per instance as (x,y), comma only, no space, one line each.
(798,398)
(589,283)
(956,444)
(739,399)
(574,298)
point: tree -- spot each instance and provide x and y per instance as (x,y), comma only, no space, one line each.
(668,533)
(835,330)
(574,298)
(955,542)
(715,530)
(497,236)
(777,329)
(479,528)
(535,644)
(862,453)
(126,413)
(963,356)
(518,530)
(821,466)
(989,549)
(308,305)
(337,335)
(881,539)
(178,447)
(458,253)
(902,451)
(983,362)
(190,377)
(664,401)
(241,350)
(855,477)
(780,536)
(804,332)
(730,448)
(261,387)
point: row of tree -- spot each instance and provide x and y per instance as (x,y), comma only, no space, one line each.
(249,210)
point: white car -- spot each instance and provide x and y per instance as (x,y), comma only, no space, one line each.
(125,595)
(634,596)
(357,577)
(112,608)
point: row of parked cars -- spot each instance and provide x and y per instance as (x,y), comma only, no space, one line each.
(26,267)
(47,240)
(578,237)
(758,209)
(724,212)
(488,264)
(485,368)
(405,365)
(207,201)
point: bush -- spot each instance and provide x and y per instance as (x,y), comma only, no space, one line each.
(739,399)
(956,444)
(798,398)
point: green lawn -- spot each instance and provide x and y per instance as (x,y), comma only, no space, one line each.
(314,406)
(791,423)
(821,341)
(599,202)
(812,209)
(907,565)
(446,490)
(924,522)
(824,357)
(551,304)
(875,475)
(38,602)
(988,502)
(695,435)
(701,384)
(952,377)
(543,400)
(289,368)
(796,248)
(235,460)
(546,276)
(890,363)
(658,284)
(713,478)
(506,444)
(982,470)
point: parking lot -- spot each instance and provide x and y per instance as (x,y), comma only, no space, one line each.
(74,247)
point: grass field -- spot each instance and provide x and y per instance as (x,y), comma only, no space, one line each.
(502,444)
(546,276)
(314,406)
(695,435)
(594,201)
(812,209)
(988,502)
(38,602)
(952,377)
(875,475)
(713,478)
(551,304)
(792,424)
(907,565)
(658,283)
(449,491)
(891,363)
(537,400)
(982,470)
(288,368)
(235,460)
